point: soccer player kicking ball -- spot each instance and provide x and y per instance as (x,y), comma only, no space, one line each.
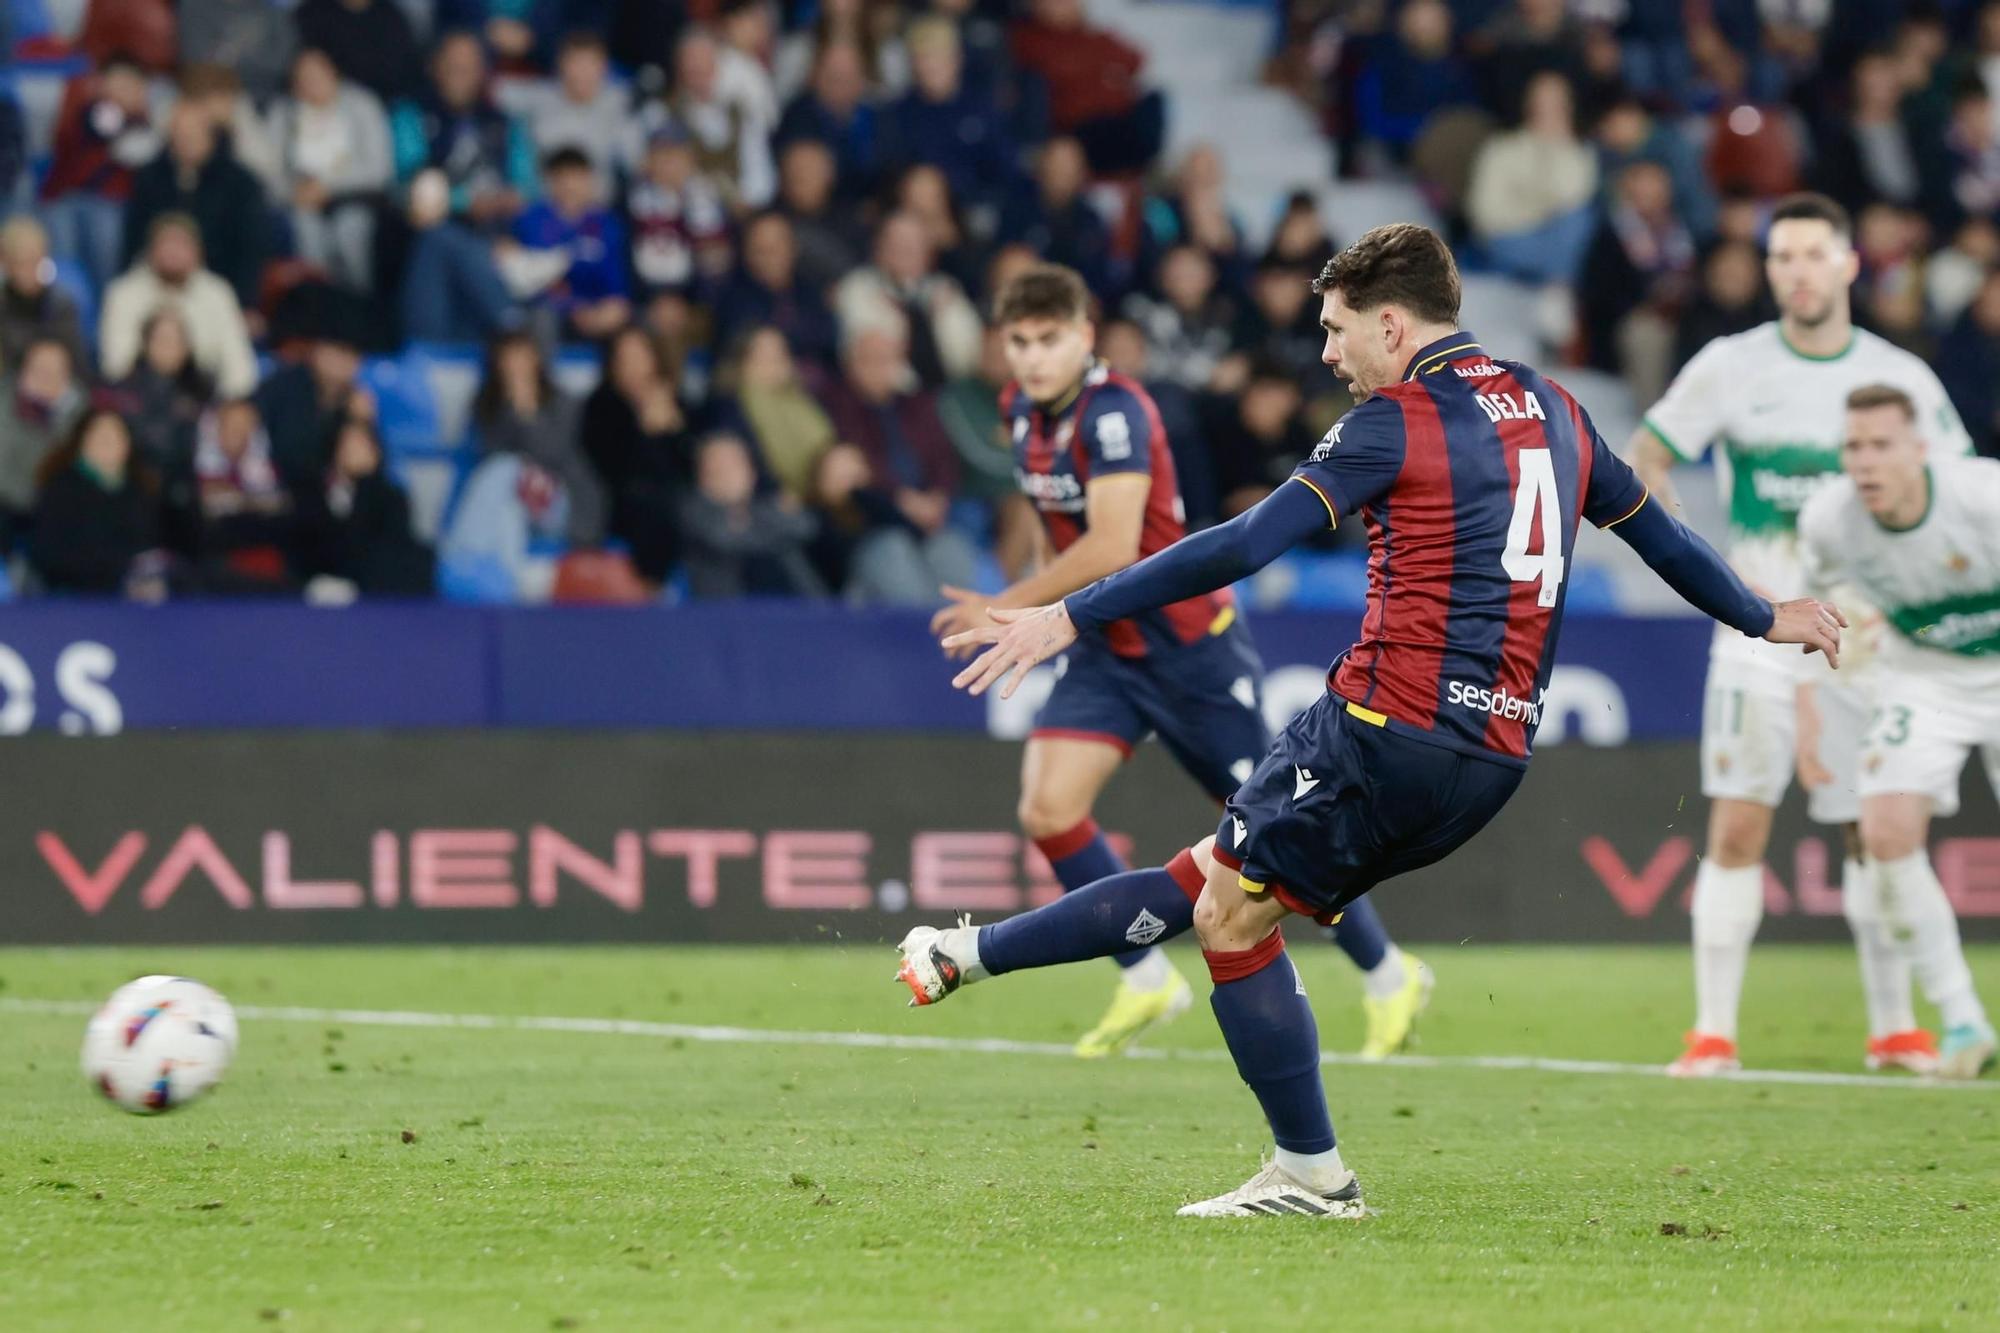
(1921,539)
(1471,475)
(1092,456)
(1770,400)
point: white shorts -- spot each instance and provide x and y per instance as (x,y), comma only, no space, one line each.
(1920,737)
(1749,739)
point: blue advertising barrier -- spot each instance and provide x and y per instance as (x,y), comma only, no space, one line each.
(93,669)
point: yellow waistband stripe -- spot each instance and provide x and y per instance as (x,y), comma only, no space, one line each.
(1369,715)
(1250,886)
(1223,620)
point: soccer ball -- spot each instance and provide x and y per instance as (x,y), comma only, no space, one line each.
(158,1043)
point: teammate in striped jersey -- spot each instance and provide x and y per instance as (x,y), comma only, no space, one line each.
(1471,475)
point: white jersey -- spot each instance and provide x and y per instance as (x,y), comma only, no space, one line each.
(1776,419)
(1937,584)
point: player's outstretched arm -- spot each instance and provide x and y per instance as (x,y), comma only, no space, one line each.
(1208,560)
(1692,568)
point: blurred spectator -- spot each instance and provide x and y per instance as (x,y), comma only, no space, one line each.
(170,275)
(1523,39)
(768,289)
(1532,188)
(1094,90)
(1196,212)
(1635,279)
(519,411)
(95,510)
(1280,323)
(834,110)
(453,290)
(503,530)
(241,130)
(680,224)
(775,412)
(520,33)
(1301,239)
(925,194)
(584,111)
(369,41)
(1869,153)
(255,38)
(870,25)
(1256,437)
(637,441)
(453,126)
(746,44)
(730,126)
(104,134)
(31,306)
(969,410)
(165,394)
(1962,170)
(592,294)
(1729,300)
(1628,132)
(247,529)
(1888,297)
(903,293)
(39,400)
(194,178)
(305,403)
(1968,362)
(1954,274)
(1122,346)
(1409,74)
(740,543)
(355,524)
(1056,220)
(876,407)
(1187,325)
(333,141)
(830,238)
(943,122)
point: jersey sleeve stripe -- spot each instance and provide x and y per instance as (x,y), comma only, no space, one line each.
(1644,496)
(1667,440)
(1332,514)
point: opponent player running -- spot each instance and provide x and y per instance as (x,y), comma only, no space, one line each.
(1471,475)
(1092,456)
(1770,400)
(1921,539)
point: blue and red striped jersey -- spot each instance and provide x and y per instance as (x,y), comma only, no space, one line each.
(1108,425)
(1471,476)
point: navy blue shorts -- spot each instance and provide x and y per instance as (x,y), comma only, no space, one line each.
(1204,700)
(1341,804)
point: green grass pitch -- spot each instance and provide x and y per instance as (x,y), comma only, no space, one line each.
(352,1175)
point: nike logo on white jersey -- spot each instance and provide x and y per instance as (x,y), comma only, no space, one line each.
(1242,829)
(1306,783)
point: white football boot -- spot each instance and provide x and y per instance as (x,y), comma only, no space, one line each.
(1274,1192)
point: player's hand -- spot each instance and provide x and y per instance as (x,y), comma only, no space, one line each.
(1814,625)
(1019,641)
(967,610)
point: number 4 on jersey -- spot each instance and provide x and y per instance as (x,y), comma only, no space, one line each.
(1537,491)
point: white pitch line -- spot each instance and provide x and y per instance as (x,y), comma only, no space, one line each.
(735,1036)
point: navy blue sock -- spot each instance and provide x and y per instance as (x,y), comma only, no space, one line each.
(1105,919)
(1361,935)
(1080,858)
(1269,1026)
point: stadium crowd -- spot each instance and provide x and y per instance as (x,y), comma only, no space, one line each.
(777,227)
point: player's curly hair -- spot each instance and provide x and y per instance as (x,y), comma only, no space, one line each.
(1045,291)
(1401,263)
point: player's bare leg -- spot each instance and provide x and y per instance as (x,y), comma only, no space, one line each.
(1061,779)
(1895,828)
(1267,1021)
(1728,907)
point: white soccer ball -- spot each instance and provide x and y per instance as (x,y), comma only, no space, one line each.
(159,1043)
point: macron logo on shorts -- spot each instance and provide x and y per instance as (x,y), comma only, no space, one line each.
(1242,829)
(1306,782)
(1145,928)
